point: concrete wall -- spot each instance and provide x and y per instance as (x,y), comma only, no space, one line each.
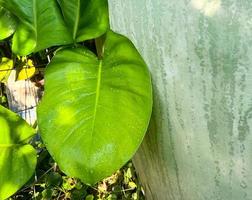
(199,144)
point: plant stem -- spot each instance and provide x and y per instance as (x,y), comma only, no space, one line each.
(99,44)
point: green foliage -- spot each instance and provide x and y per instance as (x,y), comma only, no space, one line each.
(41,23)
(7,23)
(98,96)
(3,100)
(52,184)
(101,101)
(85,19)
(17,157)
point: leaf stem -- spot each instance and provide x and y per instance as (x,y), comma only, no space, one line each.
(99,44)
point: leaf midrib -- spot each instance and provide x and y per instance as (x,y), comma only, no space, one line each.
(98,85)
(35,18)
(97,92)
(76,24)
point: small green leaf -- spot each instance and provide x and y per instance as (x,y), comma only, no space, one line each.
(128,173)
(78,193)
(89,197)
(132,185)
(3,100)
(6,65)
(78,185)
(135,196)
(112,197)
(95,113)
(53,179)
(17,158)
(47,194)
(7,23)
(127,176)
(68,183)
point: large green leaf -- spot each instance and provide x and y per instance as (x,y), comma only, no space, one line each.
(7,23)
(42,25)
(86,19)
(17,158)
(95,112)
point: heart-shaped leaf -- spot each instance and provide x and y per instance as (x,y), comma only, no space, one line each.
(41,23)
(87,19)
(7,23)
(17,158)
(95,112)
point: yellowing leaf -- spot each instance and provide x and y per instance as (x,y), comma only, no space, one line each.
(26,71)
(132,184)
(6,65)
(30,63)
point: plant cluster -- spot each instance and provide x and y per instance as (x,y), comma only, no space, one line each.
(98,97)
